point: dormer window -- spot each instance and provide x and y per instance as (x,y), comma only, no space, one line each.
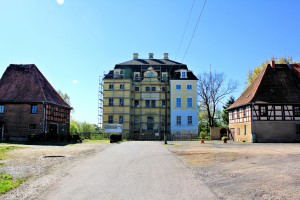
(183,74)
(164,75)
(117,73)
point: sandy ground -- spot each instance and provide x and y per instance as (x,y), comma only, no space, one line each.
(244,171)
(230,171)
(44,166)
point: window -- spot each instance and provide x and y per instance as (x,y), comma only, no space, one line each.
(163,89)
(122,87)
(239,131)
(189,102)
(153,89)
(33,109)
(178,102)
(178,87)
(136,103)
(116,74)
(110,102)
(245,129)
(190,120)
(150,74)
(297,128)
(188,87)
(178,120)
(111,87)
(163,103)
(136,119)
(263,110)
(136,75)
(164,75)
(110,119)
(296,111)
(147,103)
(147,89)
(137,89)
(238,113)
(232,115)
(32,126)
(121,119)
(244,112)
(153,103)
(183,74)
(121,102)
(1,108)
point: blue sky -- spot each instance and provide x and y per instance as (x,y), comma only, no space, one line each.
(73,42)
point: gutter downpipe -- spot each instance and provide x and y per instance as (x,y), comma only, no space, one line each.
(44,120)
(252,124)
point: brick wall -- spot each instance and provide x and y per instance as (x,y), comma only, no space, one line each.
(19,122)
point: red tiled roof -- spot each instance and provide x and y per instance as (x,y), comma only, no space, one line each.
(273,85)
(25,83)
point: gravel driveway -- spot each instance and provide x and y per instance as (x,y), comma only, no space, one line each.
(224,171)
(43,166)
(244,171)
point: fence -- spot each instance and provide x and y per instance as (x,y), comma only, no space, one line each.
(142,136)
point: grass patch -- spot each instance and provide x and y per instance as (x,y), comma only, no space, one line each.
(105,141)
(4,149)
(7,182)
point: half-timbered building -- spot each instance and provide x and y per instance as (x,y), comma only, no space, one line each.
(30,105)
(269,109)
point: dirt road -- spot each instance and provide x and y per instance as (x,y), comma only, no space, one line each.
(130,170)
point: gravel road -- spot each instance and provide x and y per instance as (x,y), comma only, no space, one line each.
(244,171)
(148,170)
(43,166)
(130,170)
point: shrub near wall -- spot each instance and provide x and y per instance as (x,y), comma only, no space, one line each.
(115,138)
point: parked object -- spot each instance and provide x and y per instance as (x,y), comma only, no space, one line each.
(115,138)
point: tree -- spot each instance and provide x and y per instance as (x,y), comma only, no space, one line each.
(212,88)
(252,74)
(64,96)
(74,127)
(225,116)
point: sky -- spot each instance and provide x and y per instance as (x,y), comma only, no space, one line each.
(74,42)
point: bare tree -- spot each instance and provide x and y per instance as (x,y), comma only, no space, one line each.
(212,88)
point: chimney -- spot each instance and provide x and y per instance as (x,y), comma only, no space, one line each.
(272,63)
(151,55)
(166,56)
(135,56)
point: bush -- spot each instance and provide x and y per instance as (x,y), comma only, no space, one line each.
(115,138)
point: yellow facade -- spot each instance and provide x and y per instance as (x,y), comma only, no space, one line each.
(143,107)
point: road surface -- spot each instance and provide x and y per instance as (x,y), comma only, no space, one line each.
(130,170)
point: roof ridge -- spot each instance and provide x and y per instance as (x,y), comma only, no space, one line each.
(261,76)
(253,87)
(40,84)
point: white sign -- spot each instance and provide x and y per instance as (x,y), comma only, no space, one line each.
(113,128)
(150,96)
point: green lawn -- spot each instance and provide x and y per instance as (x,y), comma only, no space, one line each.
(7,182)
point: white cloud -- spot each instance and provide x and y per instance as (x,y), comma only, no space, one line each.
(75,81)
(60,2)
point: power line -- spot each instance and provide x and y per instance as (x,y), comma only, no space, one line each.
(185,29)
(194,30)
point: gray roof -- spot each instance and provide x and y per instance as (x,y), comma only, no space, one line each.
(150,62)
